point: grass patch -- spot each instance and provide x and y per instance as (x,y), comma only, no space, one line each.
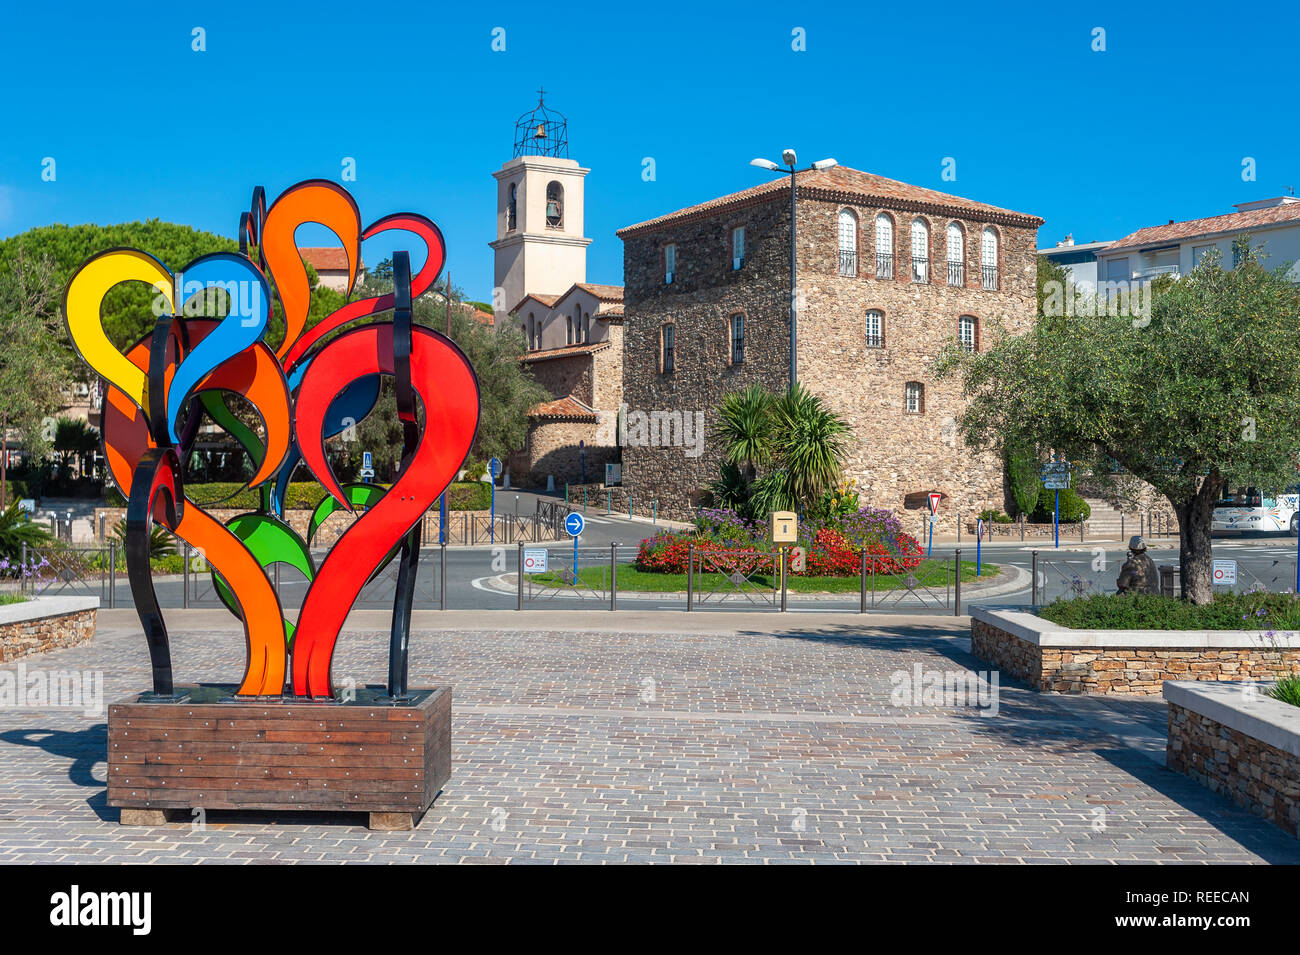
(931,573)
(1258,611)
(11,599)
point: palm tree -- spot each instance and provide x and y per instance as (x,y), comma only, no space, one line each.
(810,438)
(745,429)
(793,437)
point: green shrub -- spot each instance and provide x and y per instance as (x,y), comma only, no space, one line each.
(16,529)
(469,496)
(1248,611)
(1073,507)
(1024,477)
(994,517)
(1287,690)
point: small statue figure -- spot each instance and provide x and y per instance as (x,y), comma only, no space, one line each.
(1139,574)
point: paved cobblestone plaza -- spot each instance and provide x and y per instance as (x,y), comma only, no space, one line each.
(739,745)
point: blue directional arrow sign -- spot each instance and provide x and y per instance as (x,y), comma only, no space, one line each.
(574,523)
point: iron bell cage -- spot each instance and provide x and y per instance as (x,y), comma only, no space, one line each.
(542,132)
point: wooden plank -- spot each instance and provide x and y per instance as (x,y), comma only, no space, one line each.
(255,755)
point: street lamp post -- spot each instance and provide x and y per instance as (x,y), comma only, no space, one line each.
(789,158)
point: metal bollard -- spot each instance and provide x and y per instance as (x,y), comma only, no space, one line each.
(442,577)
(956,591)
(112,573)
(185,580)
(520,603)
(690,577)
(1081,530)
(613,575)
(1033,586)
(785,571)
(862,584)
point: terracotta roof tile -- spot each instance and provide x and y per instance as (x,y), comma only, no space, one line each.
(841,184)
(566,407)
(547,300)
(565,351)
(334,260)
(1231,222)
(606,293)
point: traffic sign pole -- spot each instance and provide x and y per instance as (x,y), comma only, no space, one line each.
(1056,521)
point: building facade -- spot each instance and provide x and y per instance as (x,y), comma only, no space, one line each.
(1175,248)
(1078,259)
(888,274)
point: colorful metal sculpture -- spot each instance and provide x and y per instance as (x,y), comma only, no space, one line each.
(309,387)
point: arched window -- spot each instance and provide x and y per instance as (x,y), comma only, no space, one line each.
(512,208)
(884,247)
(848,232)
(989,258)
(875,328)
(956,255)
(914,398)
(968,332)
(570,331)
(920,251)
(586,326)
(667,350)
(576,323)
(737,339)
(554,206)
(532,331)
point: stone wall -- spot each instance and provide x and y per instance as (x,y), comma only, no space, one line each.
(1118,669)
(23,638)
(891,452)
(1252,773)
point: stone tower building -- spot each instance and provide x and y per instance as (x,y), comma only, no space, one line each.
(540,248)
(573,328)
(888,273)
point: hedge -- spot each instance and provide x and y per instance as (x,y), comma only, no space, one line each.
(305,495)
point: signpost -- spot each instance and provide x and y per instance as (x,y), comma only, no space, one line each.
(494,468)
(535,560)
(935,498)
(1224,572)
(1056,477)
(573,525)
(367,467)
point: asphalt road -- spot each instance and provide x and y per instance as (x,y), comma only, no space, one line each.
(484,577)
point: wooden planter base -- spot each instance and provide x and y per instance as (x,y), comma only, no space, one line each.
(210,751)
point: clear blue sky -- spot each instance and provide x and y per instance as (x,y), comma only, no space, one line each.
(1098,144)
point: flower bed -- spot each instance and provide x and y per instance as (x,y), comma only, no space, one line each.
(831,549)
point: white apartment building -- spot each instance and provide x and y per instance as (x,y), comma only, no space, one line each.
(1176,247)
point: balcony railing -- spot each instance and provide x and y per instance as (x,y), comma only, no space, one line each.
(920,269)
(848,262)
(884,265)
(989,274)
(875,341)
(956,273)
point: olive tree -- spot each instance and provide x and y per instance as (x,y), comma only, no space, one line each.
(1195,389)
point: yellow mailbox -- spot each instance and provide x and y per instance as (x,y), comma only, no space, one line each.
(783,527)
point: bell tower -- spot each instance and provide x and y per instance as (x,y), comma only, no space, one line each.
(540,248)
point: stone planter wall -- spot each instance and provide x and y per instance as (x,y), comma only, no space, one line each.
(45,623)
(1053,658)
(1244,745)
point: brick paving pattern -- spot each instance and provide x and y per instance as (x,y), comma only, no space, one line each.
(705,748)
